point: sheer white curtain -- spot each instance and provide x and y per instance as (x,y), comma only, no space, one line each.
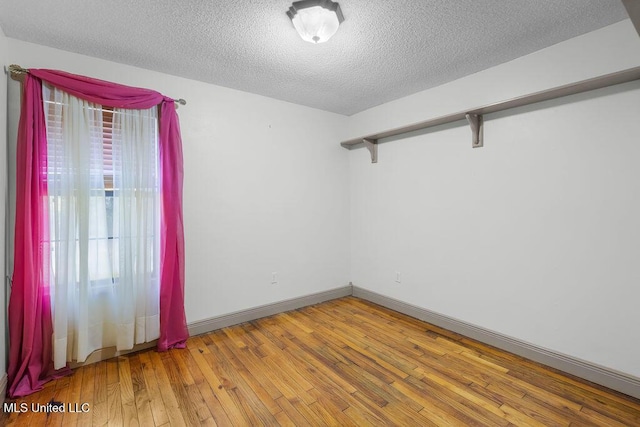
(136,223)
(104,225)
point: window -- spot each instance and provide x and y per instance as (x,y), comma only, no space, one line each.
(71,184)
(104,219)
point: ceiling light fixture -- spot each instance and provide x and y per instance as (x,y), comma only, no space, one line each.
(315,20)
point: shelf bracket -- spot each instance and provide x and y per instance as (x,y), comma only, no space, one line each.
(372,146)
(476,123)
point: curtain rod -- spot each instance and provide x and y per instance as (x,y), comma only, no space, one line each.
(15,71)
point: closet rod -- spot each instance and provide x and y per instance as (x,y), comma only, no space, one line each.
(545,95)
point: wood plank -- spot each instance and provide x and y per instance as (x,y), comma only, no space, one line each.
(550,410)
(156,405)
(74,395)
(308,355)
(127,398)
(235,414)
(251,373)
(198,403)
(601,419)
(519,410)
(245,394)
(344,338)
(60,395)
(87,394)
(284,420)
(169,399)
(292,413)
(100,382)
(518,418)
(179,395)
(362,418)
(141,397)
(100,414)
(285,382)
(143,408)
(114,405)
(190,365)
(430,410)
(178,358)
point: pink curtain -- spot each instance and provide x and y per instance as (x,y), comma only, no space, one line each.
(30,326)
(173,323)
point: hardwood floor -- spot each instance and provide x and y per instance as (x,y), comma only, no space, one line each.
(344,362)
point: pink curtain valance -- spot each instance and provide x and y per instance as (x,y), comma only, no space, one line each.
(100,91)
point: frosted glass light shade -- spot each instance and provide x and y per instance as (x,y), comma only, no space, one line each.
(315,20)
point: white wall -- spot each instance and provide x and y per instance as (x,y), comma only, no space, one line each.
(536,235)
(3,200)
(264,188)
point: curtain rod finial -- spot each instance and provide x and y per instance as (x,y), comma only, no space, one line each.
(16,72)
(13,68)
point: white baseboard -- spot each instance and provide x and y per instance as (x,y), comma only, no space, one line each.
(213,323)
(607,377)
(3,388)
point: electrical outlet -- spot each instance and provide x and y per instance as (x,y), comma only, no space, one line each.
(274,277)
(398,277)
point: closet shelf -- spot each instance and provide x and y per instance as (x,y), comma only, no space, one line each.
(475,115)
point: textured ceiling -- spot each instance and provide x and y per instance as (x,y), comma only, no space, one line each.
(382,51)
